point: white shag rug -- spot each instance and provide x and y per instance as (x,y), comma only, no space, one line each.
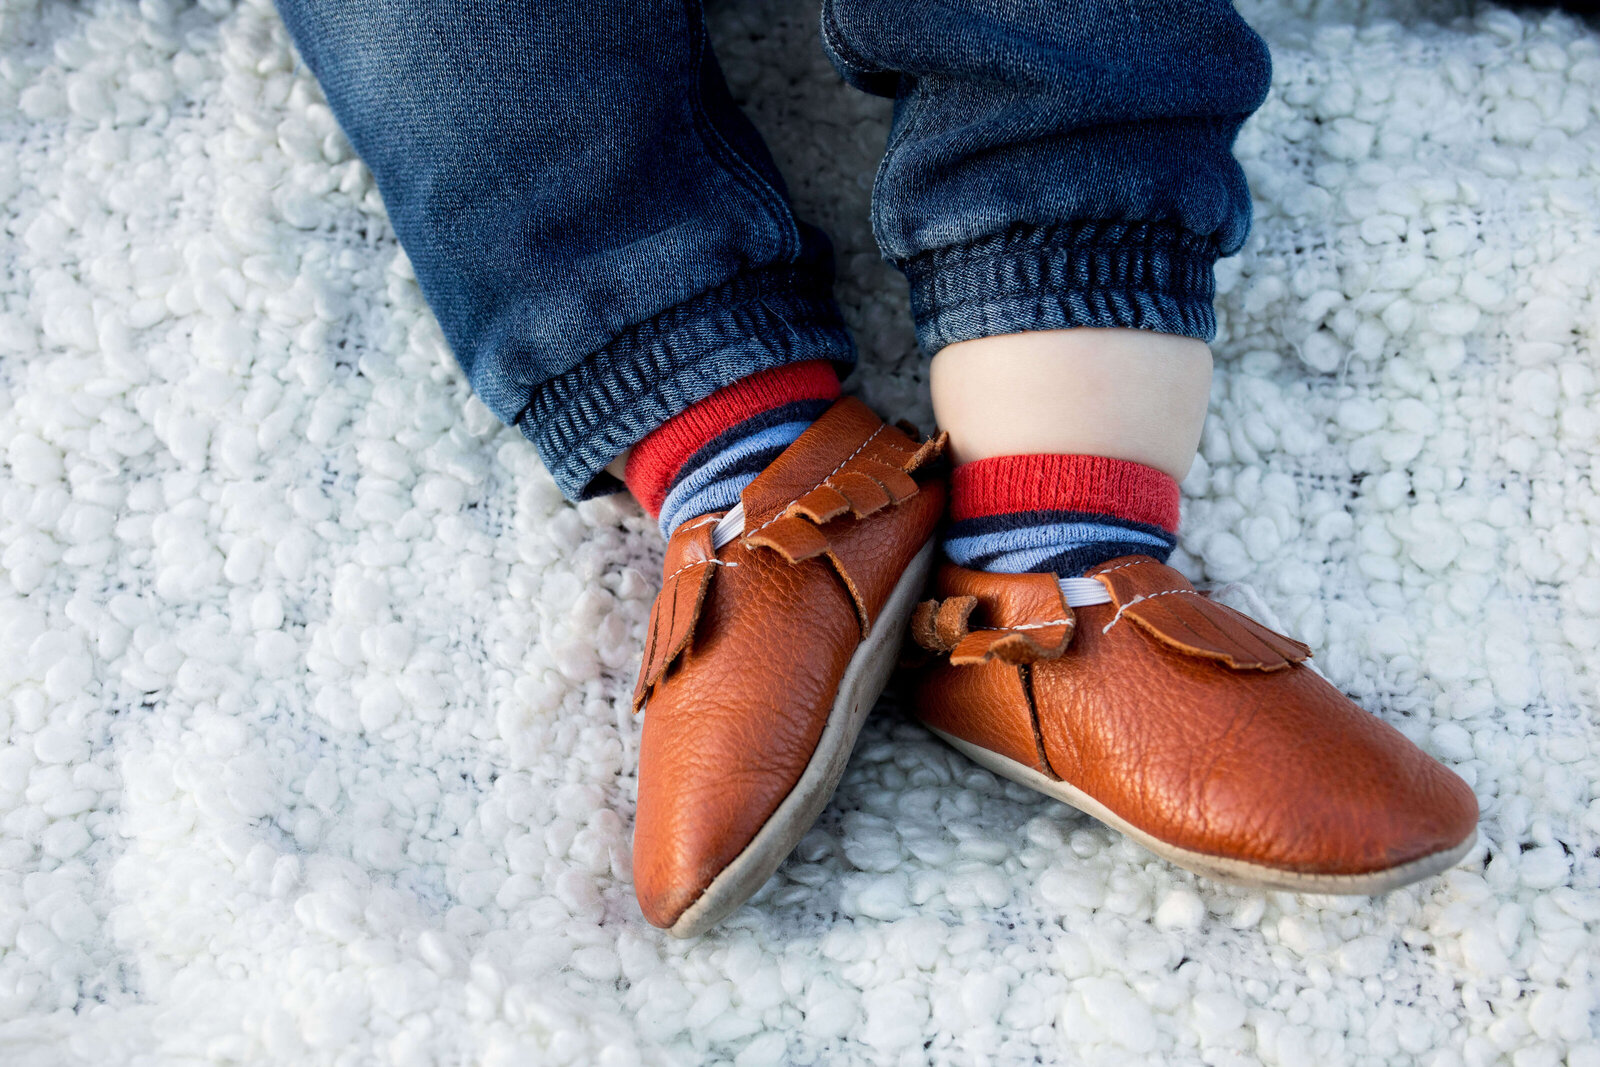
(316,749)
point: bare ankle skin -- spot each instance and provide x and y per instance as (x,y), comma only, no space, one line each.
(1124,394)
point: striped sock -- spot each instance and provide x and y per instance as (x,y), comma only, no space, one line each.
(700,460)
(1058,514)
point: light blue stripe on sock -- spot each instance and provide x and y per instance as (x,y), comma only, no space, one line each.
(1021,561)
(1026,560)
(718,496)
(710,487)
(1016,551)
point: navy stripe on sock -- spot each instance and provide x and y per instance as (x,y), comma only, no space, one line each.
(1074,561)
(713,478)
(797,411)
(1017,520)
(1066,543)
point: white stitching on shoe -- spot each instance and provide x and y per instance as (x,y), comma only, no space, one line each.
(1118,567)
(697,563)
(1147,596)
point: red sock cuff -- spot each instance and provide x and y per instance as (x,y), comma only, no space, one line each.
(1093,484)
(654,462)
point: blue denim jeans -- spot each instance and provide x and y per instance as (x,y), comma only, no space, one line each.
(605,239)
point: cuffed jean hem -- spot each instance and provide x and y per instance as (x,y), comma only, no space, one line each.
(584,418)
(1086,273)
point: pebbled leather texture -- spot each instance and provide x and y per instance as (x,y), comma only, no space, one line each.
(1203,728)
(745,647)
(988,704)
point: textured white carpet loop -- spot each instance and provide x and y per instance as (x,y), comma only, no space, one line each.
(313,692)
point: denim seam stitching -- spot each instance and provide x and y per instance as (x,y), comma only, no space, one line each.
(629,336)
(916,100)
(833,37)
(735,164)
(939,307)
(1207,247)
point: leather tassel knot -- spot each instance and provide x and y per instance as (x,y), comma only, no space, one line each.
(945,626)
(1023,618)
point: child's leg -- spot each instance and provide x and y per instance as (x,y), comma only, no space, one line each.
(1070,444)
(1057,188)
(1129,394)
(602,234)
(613,258)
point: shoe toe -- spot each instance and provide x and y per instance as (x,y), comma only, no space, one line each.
(703,797)
(1341,796)
(1408,808)
(670,872)
(724,743)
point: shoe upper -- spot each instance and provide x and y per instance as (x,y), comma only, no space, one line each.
(746,645)
(1187,719)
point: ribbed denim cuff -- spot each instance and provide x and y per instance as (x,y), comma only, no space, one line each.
(1085,273)
(583,419)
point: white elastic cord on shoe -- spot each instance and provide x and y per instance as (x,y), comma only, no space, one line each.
(1077,592)
(1081,592)
(729,527)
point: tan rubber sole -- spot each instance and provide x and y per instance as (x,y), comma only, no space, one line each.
(863,680)
(1219,868)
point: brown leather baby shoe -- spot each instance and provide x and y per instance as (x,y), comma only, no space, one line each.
(775,630)
(1188,726)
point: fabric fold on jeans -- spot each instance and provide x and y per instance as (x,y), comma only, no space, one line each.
(581,420)
(1088,273)
(1059,163)
(600,231)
